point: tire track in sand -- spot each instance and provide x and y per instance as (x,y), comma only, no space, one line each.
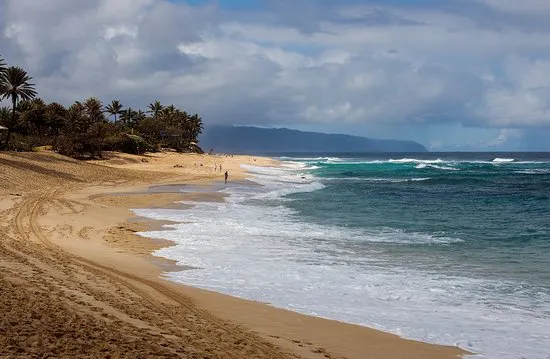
(31,209)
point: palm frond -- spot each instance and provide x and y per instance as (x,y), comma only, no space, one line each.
(155,108)
(2,64)
(114,108)
(14,83)
(93,109)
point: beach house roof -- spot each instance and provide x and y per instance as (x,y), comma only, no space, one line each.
(2,128)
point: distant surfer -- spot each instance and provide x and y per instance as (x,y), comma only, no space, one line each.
(226,175)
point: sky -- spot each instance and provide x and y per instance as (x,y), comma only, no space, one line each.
(456,75)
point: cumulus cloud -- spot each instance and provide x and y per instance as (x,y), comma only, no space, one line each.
(293,62)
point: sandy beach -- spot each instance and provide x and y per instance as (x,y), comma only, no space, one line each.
(76,280)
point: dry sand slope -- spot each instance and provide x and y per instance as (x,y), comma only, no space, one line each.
(73,282)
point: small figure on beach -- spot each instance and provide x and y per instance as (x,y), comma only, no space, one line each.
(226,175)
(215,167)
(220,167)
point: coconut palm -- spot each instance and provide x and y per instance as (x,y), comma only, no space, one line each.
(31,116)
(5,115)
(92,109)
(14,84)
(195,127)
(127,116)
(74,119)
(114,108)
(140,115)
(168,110)
(2,64)
(155,108)
(55,116)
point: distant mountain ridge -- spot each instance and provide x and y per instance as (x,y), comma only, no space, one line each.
(248,139)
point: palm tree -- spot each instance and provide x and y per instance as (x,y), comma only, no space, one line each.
(5,114)
(155,108)
(168,110)
(31,116)
(127,116)
(114,108)
(74,120)
(140,115)
(92,109)
(2,64)
(195,127)
(14,84)
(55,116)
(135,119)
(73,128)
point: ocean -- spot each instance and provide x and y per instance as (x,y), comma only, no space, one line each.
(447,248)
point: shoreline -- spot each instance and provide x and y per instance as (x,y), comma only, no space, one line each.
(211,298)
(107,236)
(210,193)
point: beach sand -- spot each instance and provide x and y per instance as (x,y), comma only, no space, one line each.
(76,281)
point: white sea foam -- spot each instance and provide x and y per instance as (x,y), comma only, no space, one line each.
(420,162)
(255,247)
(355,162)
(414,160)
(503,160)
(534,171)
(312,159)
(377,179)
(444,168)
(300,158)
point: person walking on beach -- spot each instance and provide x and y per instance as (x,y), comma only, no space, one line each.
(220,167)
(226,175)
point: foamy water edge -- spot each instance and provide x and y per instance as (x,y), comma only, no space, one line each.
(306,183)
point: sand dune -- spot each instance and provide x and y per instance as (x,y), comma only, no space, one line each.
(76,282)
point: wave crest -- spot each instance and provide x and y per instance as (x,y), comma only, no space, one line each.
(503,160)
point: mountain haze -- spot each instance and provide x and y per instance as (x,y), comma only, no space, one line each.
(245,139)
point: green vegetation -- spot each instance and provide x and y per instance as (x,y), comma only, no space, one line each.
(87,128)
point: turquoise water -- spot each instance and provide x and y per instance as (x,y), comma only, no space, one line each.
(497,210)
(444,248)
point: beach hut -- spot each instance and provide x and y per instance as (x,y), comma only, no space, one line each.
(2,128)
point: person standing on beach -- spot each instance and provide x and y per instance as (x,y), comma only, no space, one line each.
(220,167)
(226,175)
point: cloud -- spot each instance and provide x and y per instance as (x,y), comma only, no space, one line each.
(522,96)
(294,62)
